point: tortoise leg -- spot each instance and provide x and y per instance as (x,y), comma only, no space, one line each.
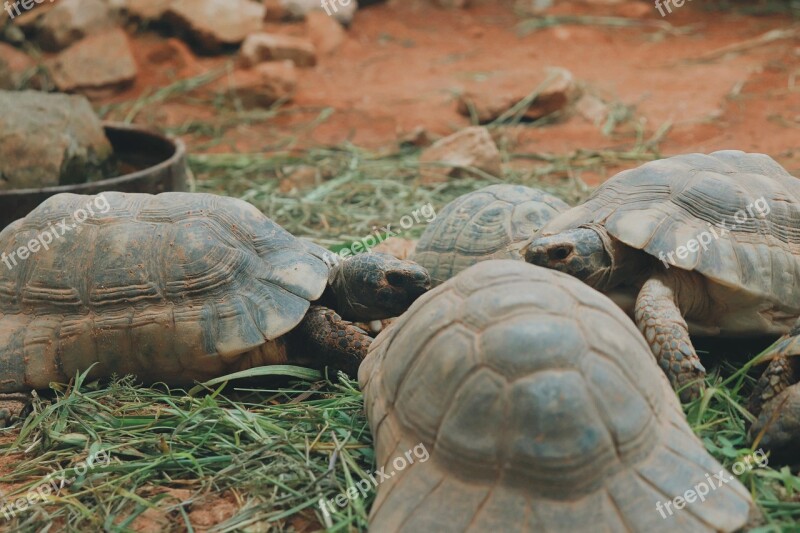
(660,320)
(777,427)
(12,407)
(776,397)
(781,373)
(323,339)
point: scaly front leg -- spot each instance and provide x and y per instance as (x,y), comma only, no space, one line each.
(661,322)
(324,339)
(12,407)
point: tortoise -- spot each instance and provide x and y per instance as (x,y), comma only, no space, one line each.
(540,408)
(180,287)
(489,223)
(700,244)
(775,401)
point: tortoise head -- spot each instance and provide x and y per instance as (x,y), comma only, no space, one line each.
(585,253)
(373,286)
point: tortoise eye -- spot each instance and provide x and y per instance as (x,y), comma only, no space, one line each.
(395,278)
(561,252)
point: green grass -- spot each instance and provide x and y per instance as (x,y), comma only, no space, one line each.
(275,451)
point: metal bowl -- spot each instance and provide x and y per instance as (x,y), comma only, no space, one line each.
(152,164)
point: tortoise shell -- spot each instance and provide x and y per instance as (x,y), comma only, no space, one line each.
(747,207)
(541,408)
(483,224)
(173,287)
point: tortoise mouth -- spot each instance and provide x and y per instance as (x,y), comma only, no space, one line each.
(407,287)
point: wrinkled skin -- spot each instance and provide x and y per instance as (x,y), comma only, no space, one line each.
(374,286)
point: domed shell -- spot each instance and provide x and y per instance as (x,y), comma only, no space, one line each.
(483,224)
(172,287)
(744,207)
(541,409)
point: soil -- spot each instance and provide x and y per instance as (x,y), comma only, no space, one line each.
(403,63)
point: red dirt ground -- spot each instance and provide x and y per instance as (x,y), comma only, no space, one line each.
(403,63)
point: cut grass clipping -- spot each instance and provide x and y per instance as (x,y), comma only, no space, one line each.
(262,457)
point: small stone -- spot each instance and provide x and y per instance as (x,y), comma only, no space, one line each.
(81,69)
(592,108)
(325,33)
(216,24)
(470,147)
(50,139)
(72,20)
(264,85)
(261,47)
(490,103)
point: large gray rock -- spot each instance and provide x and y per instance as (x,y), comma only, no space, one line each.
(50,139)
(72,20)
(216,24)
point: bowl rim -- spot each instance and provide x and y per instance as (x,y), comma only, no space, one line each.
(109,183)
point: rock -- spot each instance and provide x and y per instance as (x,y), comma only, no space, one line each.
(592,109)
(490,102)
(260,47)
(215,24)
(147,9)
(470,147)
(50,139)
(264,84)
(341,10)
(22,68)
(80,68)
(325,33)
(72,20)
